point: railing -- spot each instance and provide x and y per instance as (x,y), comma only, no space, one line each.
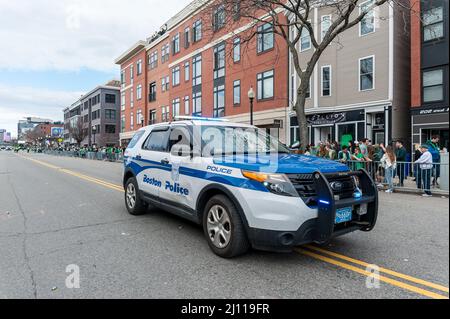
(99,156)
(407,176)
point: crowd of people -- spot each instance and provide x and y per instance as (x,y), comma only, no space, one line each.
(106,153)
(386,162)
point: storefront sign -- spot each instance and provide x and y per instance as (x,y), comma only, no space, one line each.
(428,111)
(322,119)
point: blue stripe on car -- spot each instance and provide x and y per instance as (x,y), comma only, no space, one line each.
(212,177)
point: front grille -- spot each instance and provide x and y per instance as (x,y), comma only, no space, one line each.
(343,187)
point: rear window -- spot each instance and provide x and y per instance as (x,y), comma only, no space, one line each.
(135,139)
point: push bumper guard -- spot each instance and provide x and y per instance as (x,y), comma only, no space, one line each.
(328,205)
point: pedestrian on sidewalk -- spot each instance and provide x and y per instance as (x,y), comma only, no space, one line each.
(435,150)
(389,162)
(425,169)
(400,153)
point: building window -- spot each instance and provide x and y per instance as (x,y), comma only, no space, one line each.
(123,100)
(325,25)
(197,70)
(197,31)
(176,76)
(132,121)
(165,82)
(139,92)
(219,18)
(186,105)
(139,67)
(219,61)
(197,104)
(305,40)
(187,71)
(265,37)
(176,107)
(326,80)
(433,24)
(122,78)
(176,44)
(433,85)
(153,60)
(165,114)
(152,92)
(109,98)
(237,92)
(122,124)
(110,129)
(132,74)
(236,9)
(366,73)
(308,91)
(236,50)
(110,114)
(152,118)
(165,51)
(265,85)
(219,101)
(367,24)
(186,38)
(132,98)
(139,118)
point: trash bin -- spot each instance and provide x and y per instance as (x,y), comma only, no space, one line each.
(443,181)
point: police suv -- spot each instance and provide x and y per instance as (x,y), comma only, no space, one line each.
(244,187)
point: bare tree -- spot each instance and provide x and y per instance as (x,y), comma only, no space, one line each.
(77,130)
(286,15)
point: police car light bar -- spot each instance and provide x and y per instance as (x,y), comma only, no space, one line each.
(198,118)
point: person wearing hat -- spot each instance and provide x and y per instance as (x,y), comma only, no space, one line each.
(425,167)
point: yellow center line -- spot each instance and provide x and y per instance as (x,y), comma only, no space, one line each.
(75,174)
(384,270)
(366,273)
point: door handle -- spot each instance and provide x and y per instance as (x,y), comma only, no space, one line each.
(138,157)
(165,161)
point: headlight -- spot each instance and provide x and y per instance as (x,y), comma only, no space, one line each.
(276,183)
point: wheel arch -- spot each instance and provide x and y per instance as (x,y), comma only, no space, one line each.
(213,190)
(127,175)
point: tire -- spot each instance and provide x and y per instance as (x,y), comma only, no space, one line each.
(223,228)
(133,202)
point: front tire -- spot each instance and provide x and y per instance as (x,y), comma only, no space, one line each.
(223,228)
(133,201)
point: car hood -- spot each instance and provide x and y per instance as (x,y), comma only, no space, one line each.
(281,163)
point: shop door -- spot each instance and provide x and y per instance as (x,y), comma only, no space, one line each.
(346,133)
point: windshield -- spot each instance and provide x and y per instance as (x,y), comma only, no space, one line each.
(135,139)
(218,141)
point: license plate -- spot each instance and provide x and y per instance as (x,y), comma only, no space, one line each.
(344,215)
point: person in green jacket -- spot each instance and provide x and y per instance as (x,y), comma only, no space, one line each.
(359,158)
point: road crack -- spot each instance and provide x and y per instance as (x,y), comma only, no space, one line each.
(24,238)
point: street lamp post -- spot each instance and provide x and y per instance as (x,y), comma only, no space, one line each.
(94,131)
(251,97)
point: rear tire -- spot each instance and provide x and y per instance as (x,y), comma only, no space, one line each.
(223,228)
(135,205)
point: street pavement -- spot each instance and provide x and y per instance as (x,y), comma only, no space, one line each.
(56,212)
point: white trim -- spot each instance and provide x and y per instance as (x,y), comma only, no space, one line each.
(330,80)
(391,53)
(382,103)
(373,72)
(438,123)
(360,23)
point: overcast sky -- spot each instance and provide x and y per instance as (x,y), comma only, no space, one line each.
(54,50)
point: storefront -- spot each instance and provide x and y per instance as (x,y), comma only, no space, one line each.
(430,121)
(354,125)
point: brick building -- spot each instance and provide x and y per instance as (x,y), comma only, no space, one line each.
(429,71)
(193,66)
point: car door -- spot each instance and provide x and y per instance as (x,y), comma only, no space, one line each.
(153,159)
(180,185)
